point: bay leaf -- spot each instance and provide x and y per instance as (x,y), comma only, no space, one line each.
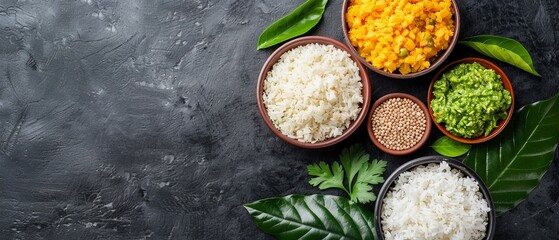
(294,24)
(504,49)
(450,148)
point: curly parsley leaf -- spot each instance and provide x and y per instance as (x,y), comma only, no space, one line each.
(352,159)
(361,192)
(326,177)
(369,174)
(361,174)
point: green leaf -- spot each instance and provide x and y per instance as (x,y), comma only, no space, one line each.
(296,23)
(504,49)
(326,177)
(312,217)
(512,164)
(450,148)
(361,192)
(369,174)
(352,159)
(360,174)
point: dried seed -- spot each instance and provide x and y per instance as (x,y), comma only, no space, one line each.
(398,123)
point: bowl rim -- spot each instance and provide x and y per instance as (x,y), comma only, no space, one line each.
(272,59)
(423,139)
(501,124)
(453,163)
(436,64)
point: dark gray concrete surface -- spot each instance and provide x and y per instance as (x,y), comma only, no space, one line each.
(138,119)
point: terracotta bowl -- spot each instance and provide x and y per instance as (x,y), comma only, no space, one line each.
(501,124)
(439,59)
(366,91)
(389,183)
(417,145)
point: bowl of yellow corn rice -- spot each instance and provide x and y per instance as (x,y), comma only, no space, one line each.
(401,38)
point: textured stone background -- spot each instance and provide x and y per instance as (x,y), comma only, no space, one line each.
(138,119)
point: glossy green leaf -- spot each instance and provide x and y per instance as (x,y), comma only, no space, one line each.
(504,49)
(450,148)
(312,217)
(512,164)
(296,23)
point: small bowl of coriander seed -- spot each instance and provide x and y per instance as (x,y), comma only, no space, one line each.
(399,123)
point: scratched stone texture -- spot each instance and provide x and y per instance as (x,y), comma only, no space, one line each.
(138,120)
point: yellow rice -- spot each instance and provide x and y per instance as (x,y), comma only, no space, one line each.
(382,29)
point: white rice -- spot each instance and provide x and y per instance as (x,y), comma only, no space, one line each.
(434,202)
(313,92)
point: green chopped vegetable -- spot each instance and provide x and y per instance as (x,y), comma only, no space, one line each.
(360,174)
(470,100)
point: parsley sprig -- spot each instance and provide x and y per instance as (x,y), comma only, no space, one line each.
(360,174)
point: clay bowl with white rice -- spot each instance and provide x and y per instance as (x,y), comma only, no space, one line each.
(313,92)
(434,198)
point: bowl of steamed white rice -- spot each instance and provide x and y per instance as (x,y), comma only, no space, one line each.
(313,92)
(434,198)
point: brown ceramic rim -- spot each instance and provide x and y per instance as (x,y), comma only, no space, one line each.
(418,144)
(437,63)
(366,91)
(500,125)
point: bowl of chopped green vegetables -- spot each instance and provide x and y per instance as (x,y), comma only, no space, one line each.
(471,100)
